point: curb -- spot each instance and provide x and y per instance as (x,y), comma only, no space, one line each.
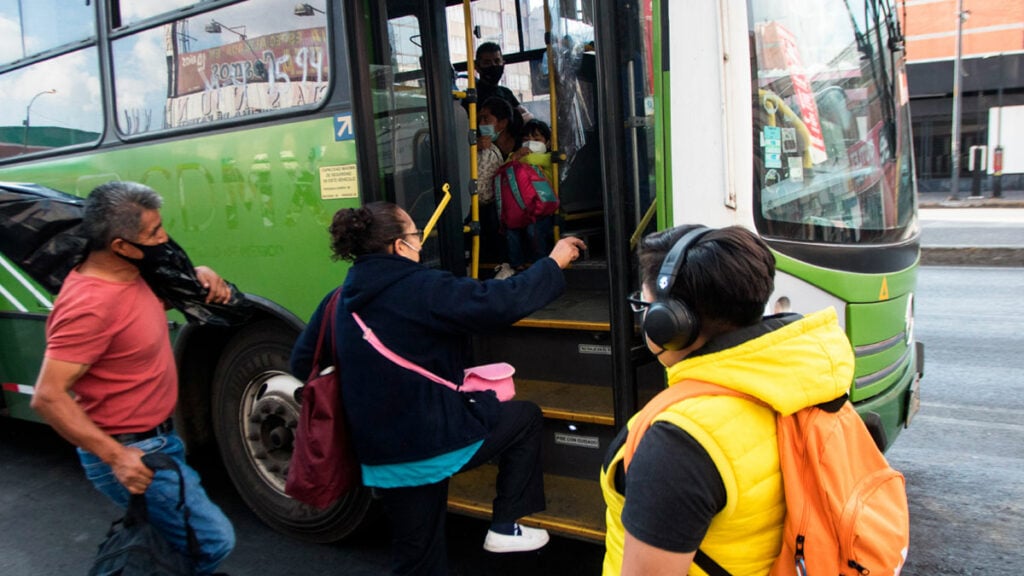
(1001,256)
(972,203)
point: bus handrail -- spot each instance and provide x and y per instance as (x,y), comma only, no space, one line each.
(437,211)
(474,202)
(780,105)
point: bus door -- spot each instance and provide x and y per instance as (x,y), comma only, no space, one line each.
(402,88)
(580,359)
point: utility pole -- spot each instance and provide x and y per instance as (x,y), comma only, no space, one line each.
(954,187)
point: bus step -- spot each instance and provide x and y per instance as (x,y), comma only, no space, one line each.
(575,507)
(569,402)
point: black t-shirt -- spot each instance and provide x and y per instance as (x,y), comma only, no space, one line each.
(673,489)
(485,90)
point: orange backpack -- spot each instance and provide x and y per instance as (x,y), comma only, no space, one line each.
(846,508)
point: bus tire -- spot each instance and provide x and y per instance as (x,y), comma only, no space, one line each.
(254,414)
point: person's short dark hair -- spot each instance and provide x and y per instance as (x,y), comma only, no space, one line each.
(114,210)
(502,110)
(487,48)
(367,230)
(727,279)
(539,126)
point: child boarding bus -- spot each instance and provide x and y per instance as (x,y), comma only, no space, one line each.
(256,120)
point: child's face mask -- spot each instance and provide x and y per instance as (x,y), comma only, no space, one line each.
(535,146)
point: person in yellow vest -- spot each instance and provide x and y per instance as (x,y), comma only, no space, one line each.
(704,486)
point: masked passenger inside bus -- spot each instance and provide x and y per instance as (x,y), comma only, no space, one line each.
(411,433)
(490,67)
(498,137)
(529,237)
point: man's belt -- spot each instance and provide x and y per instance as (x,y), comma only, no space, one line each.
(162,428)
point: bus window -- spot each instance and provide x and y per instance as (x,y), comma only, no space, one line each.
(131,12)
(34,27)
(52,104)
(828,144)
(246,59)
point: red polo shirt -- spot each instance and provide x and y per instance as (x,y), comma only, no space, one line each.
(120,330)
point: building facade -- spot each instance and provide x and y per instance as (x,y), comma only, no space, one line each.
(991,91)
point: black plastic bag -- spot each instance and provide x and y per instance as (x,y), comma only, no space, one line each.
(40,232)
(133,547)
(173,279)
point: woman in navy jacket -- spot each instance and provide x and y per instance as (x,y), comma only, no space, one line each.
(411,434)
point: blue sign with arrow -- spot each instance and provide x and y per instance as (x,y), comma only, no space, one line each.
(343,127)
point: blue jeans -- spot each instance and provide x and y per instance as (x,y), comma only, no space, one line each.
(527,245)
(213,529)
(417,513)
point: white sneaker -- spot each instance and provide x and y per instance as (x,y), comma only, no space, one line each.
(503,271)
(524,540)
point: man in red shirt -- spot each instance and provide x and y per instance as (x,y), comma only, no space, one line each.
(108,345)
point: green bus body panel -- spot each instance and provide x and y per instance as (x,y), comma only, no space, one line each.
(662,118)
(21,294)
(868,321)
(245,202)
(875,316)
(872,323)
(22,343)
(891,404)
(849,286)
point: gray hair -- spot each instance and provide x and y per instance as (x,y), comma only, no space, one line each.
(114,210)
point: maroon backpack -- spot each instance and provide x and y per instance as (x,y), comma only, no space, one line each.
(323,466)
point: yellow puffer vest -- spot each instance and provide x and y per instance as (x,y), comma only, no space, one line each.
(743,538)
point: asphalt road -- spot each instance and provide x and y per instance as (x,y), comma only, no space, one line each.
(963,454)
(51,521)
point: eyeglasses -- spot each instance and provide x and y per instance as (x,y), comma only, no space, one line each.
(637,303)
(418,233)
(410,246)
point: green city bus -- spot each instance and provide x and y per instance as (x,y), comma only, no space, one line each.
(256,120)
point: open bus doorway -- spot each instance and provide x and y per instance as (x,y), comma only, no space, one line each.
(581,358)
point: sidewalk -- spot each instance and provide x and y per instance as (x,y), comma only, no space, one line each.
(1008,199)
(972,231)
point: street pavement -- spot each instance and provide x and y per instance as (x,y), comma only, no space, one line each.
(972,231)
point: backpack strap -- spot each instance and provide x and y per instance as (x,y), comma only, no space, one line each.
(667,397)
(326,333)
(513,184)
(708,564)
(160,461)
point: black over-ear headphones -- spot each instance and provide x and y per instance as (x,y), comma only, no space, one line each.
(669,322)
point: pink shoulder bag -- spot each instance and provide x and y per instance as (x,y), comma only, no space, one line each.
(496,377)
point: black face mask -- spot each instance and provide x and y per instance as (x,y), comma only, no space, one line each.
(156,255)
(491,74)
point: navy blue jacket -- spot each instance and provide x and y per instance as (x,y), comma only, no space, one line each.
(425,316)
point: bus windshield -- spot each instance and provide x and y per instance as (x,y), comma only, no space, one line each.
(832,158)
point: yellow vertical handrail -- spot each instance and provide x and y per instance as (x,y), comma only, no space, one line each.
(553,92)
(474,211)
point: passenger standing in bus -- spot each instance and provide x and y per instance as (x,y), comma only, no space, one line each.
(490,67)
(525,245)
(107,342)
(411,434)
(706,474)
(499,135)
